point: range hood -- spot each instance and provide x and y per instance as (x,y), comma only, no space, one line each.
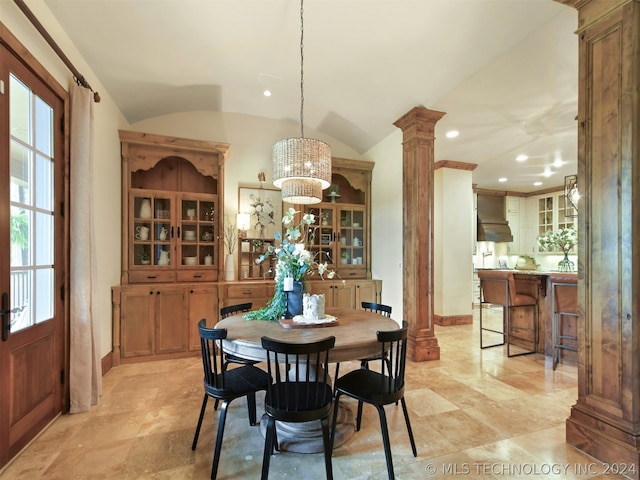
(492,224)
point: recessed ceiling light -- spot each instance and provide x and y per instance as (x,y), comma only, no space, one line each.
(537,184)
(503,179)
(452,133)
(547,172)
(522,158)
(267,93)
(558,162)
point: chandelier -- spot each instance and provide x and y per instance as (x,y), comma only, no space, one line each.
(301,166)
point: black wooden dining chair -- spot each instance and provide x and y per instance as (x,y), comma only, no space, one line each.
(380,388)
(382,310)
(227,312)
(300,391)
(230,358)
(225,385)
(364,362)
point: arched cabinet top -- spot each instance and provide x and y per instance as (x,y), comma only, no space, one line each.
(143,151)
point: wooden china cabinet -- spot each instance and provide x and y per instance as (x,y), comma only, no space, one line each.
(343,220)
(343,236)
(172,204)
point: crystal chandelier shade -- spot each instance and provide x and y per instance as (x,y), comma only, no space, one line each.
(301,166)
(302,169)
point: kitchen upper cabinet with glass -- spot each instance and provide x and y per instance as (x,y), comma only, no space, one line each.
(171,205)
(342,222)
(547,213)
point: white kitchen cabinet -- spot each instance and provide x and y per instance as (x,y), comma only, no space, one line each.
(513,218)
(544,213)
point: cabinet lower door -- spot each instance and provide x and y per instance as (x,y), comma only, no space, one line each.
(203,303)
(344,296)
(171,328)
(137,322)
(366,292)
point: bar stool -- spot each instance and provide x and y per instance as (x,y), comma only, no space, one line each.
(564,302)
(498,287)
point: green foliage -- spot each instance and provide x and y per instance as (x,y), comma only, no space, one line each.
(19,226)
(564,240)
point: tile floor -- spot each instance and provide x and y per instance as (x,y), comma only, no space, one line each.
(475,414)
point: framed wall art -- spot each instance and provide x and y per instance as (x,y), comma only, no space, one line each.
(264,207)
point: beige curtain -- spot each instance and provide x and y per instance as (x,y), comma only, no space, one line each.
(85,376)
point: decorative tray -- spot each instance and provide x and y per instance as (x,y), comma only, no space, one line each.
(327,321)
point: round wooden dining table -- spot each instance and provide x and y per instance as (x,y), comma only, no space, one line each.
(355,333)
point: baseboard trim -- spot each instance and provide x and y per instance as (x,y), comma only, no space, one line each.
(107,363)
(450,320)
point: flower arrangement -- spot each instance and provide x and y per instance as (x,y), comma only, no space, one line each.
(294,261)
(564,239)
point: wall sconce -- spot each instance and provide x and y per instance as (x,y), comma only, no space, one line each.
(571,196)
(243,221)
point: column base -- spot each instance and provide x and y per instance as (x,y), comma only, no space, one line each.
(605,441)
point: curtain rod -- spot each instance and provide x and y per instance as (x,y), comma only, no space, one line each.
(80,80)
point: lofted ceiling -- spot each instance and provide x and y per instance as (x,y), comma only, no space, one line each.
(504,71)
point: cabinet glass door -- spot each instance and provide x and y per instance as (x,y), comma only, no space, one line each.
(151,230)
(323,235)
(352,237)
(197,231)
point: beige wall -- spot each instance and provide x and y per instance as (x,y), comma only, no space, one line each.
(386,221)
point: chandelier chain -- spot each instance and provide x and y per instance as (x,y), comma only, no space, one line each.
(302,68)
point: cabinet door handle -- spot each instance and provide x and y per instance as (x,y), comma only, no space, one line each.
(178,232)
(197,276)
(171,232)
(151,277)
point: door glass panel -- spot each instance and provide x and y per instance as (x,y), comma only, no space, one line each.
(44,180)
(20,109)
(42,239)
(44,294)
(20,174)
(31,207)
(44,124)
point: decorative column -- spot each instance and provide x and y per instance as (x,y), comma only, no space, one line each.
(418,129)
(605,421)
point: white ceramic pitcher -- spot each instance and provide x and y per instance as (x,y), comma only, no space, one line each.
(145,208)
(164,258)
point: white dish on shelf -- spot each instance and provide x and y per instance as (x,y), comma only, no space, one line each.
(189,235)
(190,260)
(356,224)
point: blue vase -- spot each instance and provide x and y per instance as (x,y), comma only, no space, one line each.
(294,300)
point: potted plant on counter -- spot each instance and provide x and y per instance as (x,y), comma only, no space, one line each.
(564,240)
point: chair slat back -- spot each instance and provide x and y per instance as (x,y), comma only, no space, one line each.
(393,344)
(378,308)
(212,354)
(299,373)
(231,309)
